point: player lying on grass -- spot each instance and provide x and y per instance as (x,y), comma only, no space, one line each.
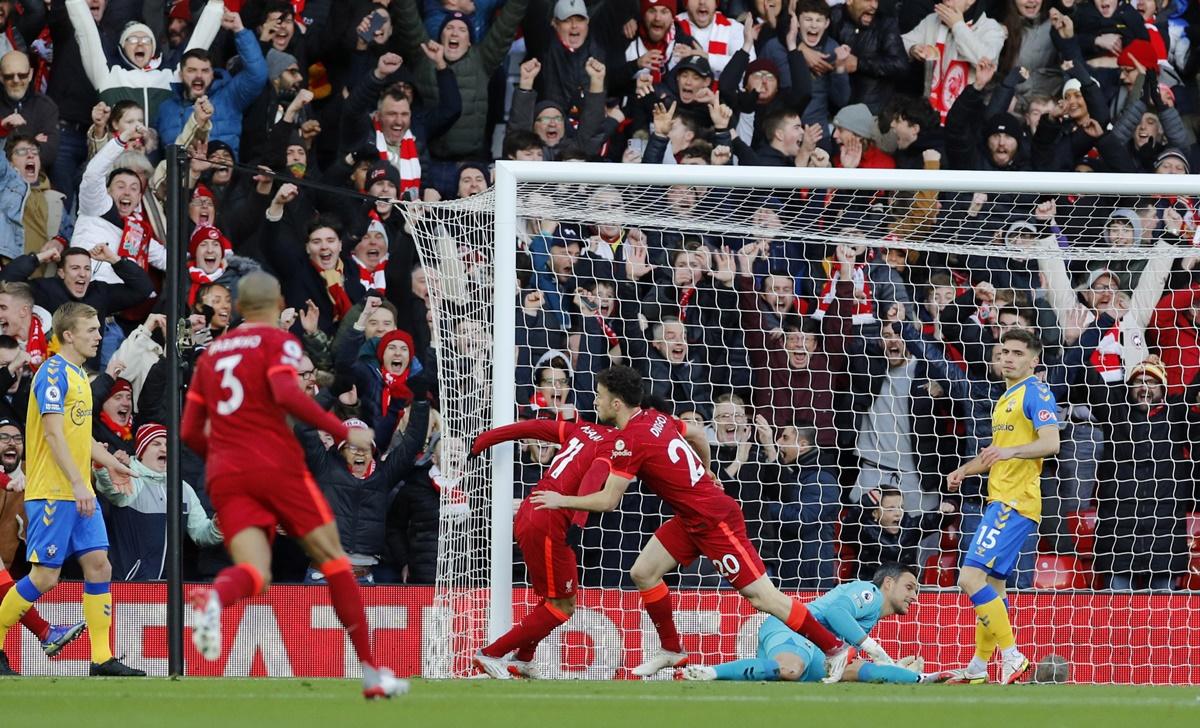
(579,467)
(849,611)
(659,450)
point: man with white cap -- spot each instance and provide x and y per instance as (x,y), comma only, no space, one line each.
(140,75)
(564,45)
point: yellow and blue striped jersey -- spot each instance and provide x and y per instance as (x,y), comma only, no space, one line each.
(59,388)
(1019,413)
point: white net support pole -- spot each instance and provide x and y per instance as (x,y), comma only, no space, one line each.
(504,394)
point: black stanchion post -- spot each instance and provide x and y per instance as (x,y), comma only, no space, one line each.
(177,165)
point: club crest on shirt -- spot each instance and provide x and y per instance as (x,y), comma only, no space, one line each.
(1011,404)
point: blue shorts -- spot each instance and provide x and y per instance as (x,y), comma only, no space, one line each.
(997,542)
(774,638)
(56,531)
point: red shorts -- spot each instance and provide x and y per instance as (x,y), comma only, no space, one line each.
(260,501)
(724,542)
(542,536)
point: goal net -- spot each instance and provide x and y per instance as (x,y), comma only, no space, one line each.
(834,332)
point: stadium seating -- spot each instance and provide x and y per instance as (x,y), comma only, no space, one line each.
(1055,571)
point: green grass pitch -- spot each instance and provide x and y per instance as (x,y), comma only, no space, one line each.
(298,703)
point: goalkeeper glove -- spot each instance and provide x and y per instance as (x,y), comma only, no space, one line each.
(877,654)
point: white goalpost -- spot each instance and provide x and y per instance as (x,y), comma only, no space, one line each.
(851,311)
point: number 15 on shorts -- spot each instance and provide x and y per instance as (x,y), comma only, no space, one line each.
(985,539)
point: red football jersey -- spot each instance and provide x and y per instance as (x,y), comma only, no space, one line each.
(249,431)
(652,448)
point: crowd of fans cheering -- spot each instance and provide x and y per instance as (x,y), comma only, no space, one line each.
(839,383)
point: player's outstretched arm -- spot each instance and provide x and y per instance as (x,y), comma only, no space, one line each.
(544,430)
(602,501)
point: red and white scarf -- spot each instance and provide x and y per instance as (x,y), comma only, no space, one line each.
(721,35)
(201,277)
(394,386)
(35,343)
(372,278)
(950,78)
(335,286)
(1106,358)
(863,311)
(136,239)
(408,161)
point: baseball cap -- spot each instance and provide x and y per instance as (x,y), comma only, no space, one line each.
(564,9)
(695,64)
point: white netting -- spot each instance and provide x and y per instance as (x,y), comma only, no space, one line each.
(765,316)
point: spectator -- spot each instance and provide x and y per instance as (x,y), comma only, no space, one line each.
(316,271)
(360,487)
(807,512)
(74,280)
(33,213)
(547,118)
(25,111)
(1145,482)
(138,517)
(113,426)
(471,65)
(230,95)
(403,132)
(18,28)
(809,34)
(12,498)
(886,532)
(140,74)
(15,379)
(856,133)
(673,370)
(714,36)
(111,211)
(945,40)
(876,58)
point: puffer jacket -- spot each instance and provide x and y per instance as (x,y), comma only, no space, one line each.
(230,96)
(413,525)
(465,139)
(361,505)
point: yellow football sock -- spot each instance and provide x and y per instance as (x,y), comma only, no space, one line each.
(985,644)
(97,612)
(12,609)
(989,607)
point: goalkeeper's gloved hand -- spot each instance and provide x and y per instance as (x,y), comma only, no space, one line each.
(876,652)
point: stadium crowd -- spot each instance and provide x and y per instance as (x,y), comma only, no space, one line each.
(839,383)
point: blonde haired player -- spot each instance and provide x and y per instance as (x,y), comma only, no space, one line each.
(60,504)
(1024,431)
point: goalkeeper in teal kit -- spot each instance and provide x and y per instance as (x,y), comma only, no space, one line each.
(849,611)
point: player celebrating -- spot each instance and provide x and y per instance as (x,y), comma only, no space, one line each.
(1024,430)
(60,504)
(579,467)
(849,611)
(244,388)
(707,522)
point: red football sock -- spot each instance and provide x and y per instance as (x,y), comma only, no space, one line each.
(237,582)
(801,622)
(32,620)
(526,652)
(347,603)
(657,601)
(526,635)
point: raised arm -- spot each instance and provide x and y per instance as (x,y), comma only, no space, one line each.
(207,25)
(286,392)
(91,52)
